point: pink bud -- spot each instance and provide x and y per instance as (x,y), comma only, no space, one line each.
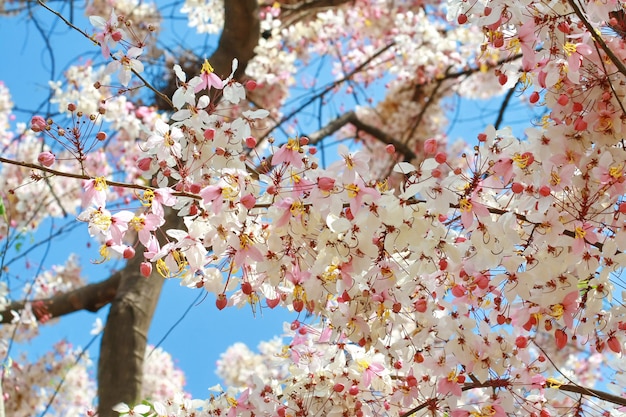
(146,269)
(338,387)
(46,158)
(209,134)
(129,252)
(580,124)
(312,150)
(195,188)
(250,142)
(521,342)
(534,97)
(441,157)
(563,99)
(390,149)
(430,146)
(458,290)
(251,85)
(116,36)
(326,183)
(38,123)
(144,164)
(248,201)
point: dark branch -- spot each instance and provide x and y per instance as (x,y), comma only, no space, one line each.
(351,118)
(91,297)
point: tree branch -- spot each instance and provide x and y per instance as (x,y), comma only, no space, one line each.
(503,383)
(90,297)
(596,37)
(351,118)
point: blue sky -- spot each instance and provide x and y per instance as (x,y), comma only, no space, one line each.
(197,341)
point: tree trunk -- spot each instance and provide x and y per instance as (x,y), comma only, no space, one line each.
(120,367)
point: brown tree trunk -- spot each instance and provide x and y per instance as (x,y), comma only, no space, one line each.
(120,367)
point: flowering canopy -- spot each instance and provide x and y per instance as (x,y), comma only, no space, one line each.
(463,280)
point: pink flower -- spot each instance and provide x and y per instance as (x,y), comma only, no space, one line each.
(108,32)
(450,384)
(46,158)
(583,235)
(209,78)
(212,194)
(356,192)
(469,208)
(95,192)
(289,153)
(144,225)
(566,309)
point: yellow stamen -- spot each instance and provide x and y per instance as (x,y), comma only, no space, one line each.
(353,190)
(206,67)
(137,223)
(579,232)
(569,48)
(147,197)
(465,205)
(557,311)
(100,183)
(162,268)
(616,172)
(521,160)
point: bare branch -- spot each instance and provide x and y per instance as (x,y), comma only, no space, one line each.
(351,118)
(91,297)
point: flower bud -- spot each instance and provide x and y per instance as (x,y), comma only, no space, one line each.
(46,158)
(38,123)
(146,269)
(430,146)
(326,183)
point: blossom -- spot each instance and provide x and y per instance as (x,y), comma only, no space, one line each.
(356,191)
(109,32)
(126,64)
(144,225)
(289,153)
(208,78)
(95,192)
(165,142)
(450,384)
(125,410)
(470,207)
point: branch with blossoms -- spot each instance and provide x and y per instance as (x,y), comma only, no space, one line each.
(504,383)
(136,51)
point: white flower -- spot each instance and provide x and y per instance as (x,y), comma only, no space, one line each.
(126,64)
(125,410)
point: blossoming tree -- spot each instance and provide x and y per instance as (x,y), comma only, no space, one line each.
(431,278)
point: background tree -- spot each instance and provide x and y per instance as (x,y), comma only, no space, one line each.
(440,279)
